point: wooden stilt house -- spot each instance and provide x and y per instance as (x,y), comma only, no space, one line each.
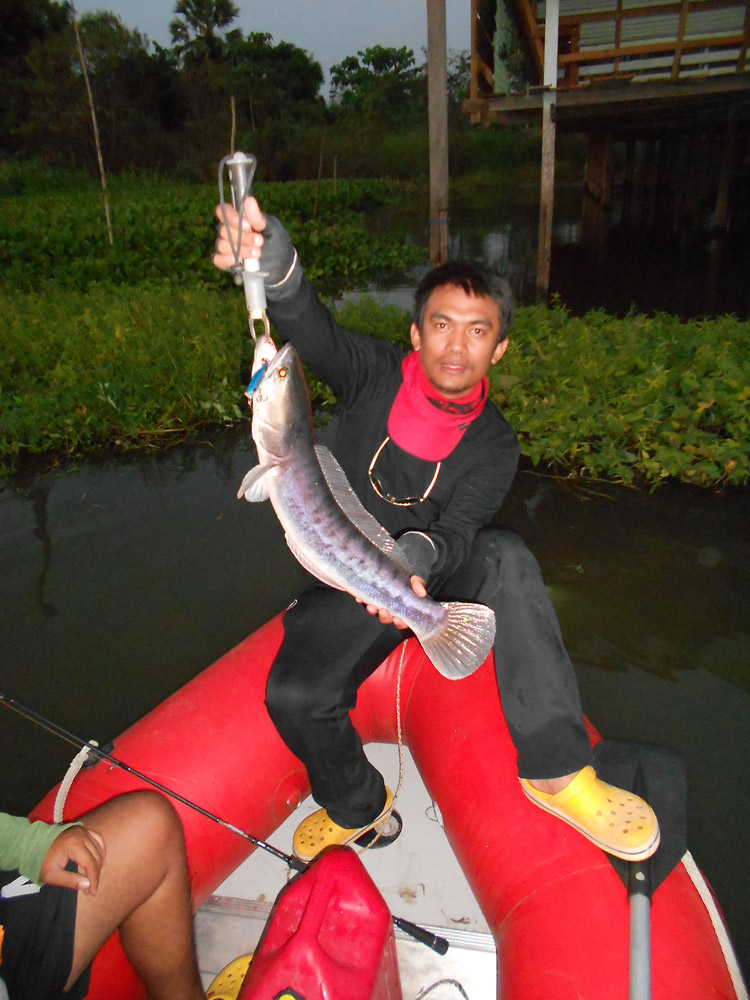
(668,80)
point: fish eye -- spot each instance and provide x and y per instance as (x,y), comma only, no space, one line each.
(283,373)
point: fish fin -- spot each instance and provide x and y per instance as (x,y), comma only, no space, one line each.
(352,507)
(463,641)
(254,487)
(311,567)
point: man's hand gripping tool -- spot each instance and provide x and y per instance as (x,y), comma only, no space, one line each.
(241,168)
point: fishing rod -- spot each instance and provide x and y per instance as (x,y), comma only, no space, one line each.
(438,944)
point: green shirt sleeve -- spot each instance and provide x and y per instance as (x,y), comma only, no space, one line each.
(24,845)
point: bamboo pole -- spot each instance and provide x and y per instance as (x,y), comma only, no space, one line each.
(94,123)
(320,172)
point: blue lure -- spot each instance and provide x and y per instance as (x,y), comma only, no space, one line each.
(255,380)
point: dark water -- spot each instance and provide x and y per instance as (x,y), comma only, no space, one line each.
(689,274)
(120,581)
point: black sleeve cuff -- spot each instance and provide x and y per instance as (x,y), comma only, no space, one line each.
(420,550)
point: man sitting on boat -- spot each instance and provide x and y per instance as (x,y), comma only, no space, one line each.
(67,888)
(431,458)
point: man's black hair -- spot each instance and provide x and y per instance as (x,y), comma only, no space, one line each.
(474,279)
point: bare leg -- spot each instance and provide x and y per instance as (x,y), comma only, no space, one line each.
(143,891)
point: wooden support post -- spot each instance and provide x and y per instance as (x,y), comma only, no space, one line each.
(721,217)
(547,192)
(437,90)
(627,183)
(474,64)
(597,189)
(648,182)
(679,44)
(618,36)
(721,214)
(694,179)
(742,57)
(663,215)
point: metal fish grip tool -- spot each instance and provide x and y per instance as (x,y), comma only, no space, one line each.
(241,169)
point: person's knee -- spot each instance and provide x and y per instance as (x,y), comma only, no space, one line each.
(289,699)
(150,816)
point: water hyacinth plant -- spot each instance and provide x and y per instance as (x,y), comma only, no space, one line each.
(137,345)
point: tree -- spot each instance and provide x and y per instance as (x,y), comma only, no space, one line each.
(22,24)
(195,34)
(137,98)
(459,66)
(382,80)
(273,81)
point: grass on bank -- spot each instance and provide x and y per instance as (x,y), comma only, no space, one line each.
(633,400)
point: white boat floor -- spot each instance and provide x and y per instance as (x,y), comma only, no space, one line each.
(418,876)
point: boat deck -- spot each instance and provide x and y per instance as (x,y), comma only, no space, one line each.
(418,877)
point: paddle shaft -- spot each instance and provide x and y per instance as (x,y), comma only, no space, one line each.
(640,890)
(438,944)
(640,947)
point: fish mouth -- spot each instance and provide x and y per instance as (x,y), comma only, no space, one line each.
(280,358)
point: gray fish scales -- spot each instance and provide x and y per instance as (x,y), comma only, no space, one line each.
(334,537)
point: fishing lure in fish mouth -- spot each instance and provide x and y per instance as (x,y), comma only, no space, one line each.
(255,380)
(264,353)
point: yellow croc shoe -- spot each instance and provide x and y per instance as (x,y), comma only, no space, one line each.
(619,822)
(318,832)
(227,984)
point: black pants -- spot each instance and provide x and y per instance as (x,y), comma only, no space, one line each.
(37,947)
(331,645)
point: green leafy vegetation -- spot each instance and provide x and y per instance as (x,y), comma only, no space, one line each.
(80,371)
(135,345)
(55,231)
(637,400)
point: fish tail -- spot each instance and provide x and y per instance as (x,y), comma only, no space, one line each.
(463,640)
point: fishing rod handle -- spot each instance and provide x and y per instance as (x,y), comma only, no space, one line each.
(438,944)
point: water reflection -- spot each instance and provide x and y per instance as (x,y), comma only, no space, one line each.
(678,271)
(661,578)
(38,495)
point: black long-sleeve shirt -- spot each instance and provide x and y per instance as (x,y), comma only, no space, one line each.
(365,375)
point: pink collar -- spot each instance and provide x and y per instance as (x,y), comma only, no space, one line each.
(423,422)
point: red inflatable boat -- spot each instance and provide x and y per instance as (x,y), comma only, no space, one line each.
(557,910)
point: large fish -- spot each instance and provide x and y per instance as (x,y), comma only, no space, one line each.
(331,533)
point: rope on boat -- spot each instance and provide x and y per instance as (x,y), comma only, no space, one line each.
(720,930)
(382,824)
(442,982)
(70,776)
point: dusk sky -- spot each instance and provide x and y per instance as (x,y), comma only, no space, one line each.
(328,29)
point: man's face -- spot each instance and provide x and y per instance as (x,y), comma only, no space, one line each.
(458,340)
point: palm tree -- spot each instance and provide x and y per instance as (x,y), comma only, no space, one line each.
(194,34)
